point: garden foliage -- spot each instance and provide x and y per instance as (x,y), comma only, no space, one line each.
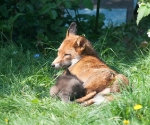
(143,11)
(25,77)
(28,22)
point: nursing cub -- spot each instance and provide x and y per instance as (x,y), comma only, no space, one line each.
(68,87)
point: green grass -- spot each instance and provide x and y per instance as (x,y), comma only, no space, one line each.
(25,82)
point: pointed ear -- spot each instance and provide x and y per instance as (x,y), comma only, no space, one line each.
(80,42)
(72,29)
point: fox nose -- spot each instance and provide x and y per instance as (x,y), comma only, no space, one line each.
(52,65)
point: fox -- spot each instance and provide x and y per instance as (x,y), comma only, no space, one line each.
(77,54)
(67,87)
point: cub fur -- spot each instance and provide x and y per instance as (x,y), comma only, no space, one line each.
(68,87)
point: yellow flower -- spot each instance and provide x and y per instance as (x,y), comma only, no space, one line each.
(137,107)
(126,122)
(6,120)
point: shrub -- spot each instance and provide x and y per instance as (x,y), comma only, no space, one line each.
(34,22)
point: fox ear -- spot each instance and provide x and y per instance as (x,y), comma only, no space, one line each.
(72,29)
(81,42)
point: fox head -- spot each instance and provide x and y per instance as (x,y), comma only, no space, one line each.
(72,49)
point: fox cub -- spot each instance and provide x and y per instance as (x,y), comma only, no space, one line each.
(68,87)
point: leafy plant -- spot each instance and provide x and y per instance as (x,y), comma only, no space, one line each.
(143,11)
(35,22)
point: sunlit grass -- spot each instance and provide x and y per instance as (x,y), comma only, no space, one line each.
(25,100)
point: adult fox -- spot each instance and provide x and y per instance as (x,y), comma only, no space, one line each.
(77,54)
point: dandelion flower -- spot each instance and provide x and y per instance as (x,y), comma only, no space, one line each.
(126,122)
(6,120)
(137,107)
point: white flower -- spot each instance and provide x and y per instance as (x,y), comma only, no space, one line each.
(148,33)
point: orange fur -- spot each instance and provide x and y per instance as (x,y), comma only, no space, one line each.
(77,54)
(87,97)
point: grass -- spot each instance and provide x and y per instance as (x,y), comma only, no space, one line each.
(25,83)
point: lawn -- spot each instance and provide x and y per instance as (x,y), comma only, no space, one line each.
(25,80)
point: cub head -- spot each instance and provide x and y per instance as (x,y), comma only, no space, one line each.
(71,50)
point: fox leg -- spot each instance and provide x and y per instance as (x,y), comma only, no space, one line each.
(102,95)
(88,102)
(94,97)
(98,99)
(87,97)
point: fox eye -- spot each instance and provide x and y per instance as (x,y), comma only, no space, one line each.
(67,54)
